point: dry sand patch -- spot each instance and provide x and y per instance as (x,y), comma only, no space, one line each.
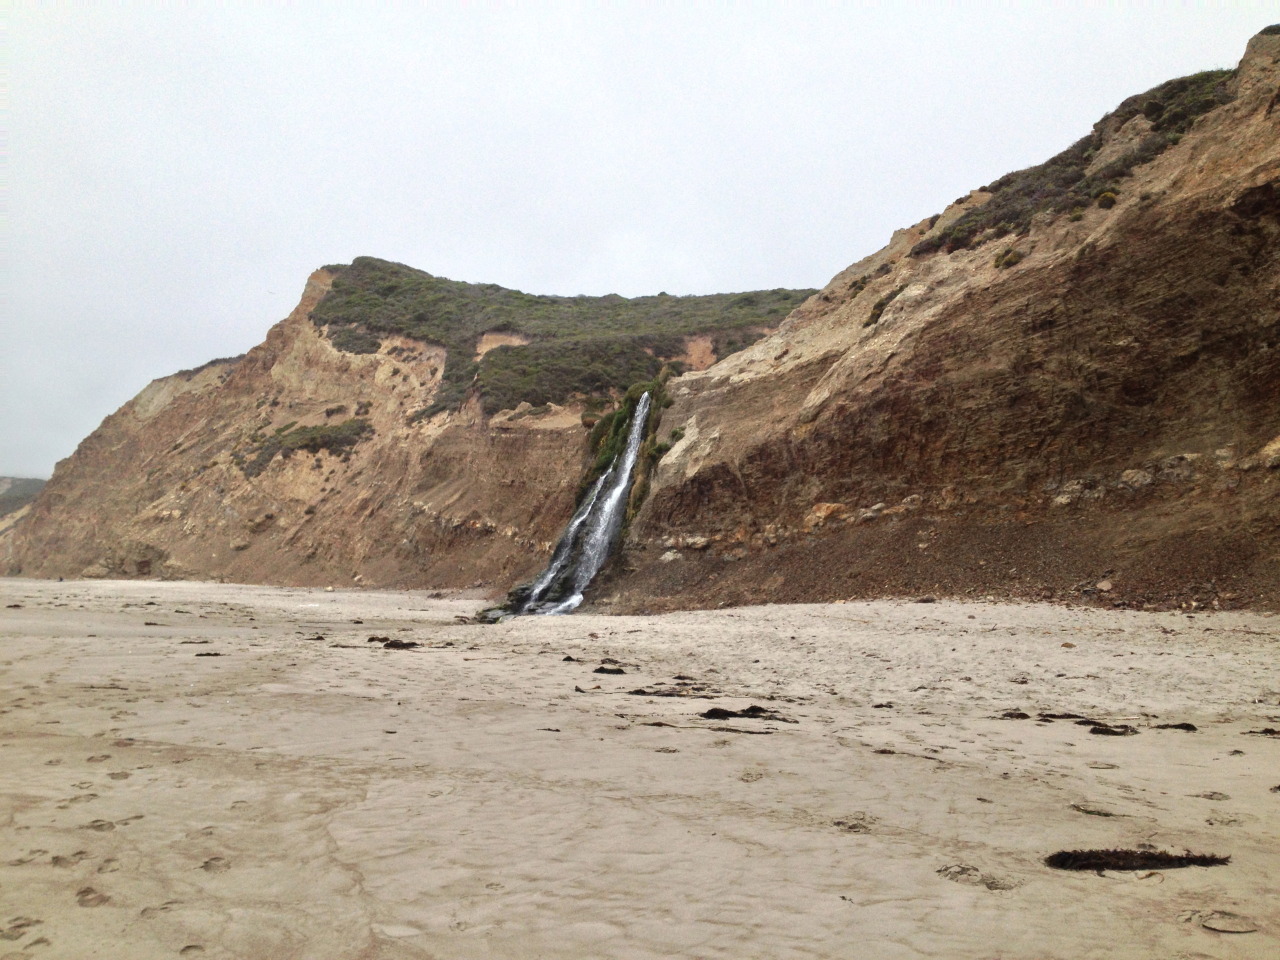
(502,792)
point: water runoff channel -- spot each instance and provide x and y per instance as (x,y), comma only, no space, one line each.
(591,535)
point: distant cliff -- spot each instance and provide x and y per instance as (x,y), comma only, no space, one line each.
(16,496)
(16,493)
(1065,385)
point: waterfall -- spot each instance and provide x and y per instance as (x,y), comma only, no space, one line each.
(591,535)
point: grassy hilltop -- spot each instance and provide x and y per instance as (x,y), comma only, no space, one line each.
(586,345)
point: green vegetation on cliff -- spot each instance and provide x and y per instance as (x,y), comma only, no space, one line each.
(337,439)
(578,344)
(1063,184)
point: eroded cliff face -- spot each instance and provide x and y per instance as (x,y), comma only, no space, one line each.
(161,488)
(1089,409)
(1104,410)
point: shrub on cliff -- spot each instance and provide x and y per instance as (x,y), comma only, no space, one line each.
(336,438)
(1009,257)
(353,338)
(546,372)
(879,306)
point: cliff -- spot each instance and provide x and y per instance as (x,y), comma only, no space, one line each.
(1083,404)
(361,441)
(1065,385)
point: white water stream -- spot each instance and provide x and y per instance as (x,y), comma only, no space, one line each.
(591,535)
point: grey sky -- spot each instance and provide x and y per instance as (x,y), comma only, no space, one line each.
(175,173)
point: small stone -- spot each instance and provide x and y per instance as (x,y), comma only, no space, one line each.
(820,513)
(669,556)
(1136,479)
(1105,586)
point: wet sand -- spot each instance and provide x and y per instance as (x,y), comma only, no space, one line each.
(223,771)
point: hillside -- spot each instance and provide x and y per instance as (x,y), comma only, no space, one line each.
(1065,385)
(397,428)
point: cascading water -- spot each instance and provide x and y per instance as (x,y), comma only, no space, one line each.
(590,536)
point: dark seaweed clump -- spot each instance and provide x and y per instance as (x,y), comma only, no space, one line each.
(1130,860)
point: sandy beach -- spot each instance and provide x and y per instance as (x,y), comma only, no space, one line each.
(213,770)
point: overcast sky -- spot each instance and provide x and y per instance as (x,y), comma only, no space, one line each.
(176,172)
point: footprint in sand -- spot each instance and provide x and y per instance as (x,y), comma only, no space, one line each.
(856,823)
(148,913)
(18,928)
(23,861)
(119,775)
(70,860)
(215,865)
(109,865)
(191,950)
(102,826)
(89,897)
(964,873)
(81,798)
